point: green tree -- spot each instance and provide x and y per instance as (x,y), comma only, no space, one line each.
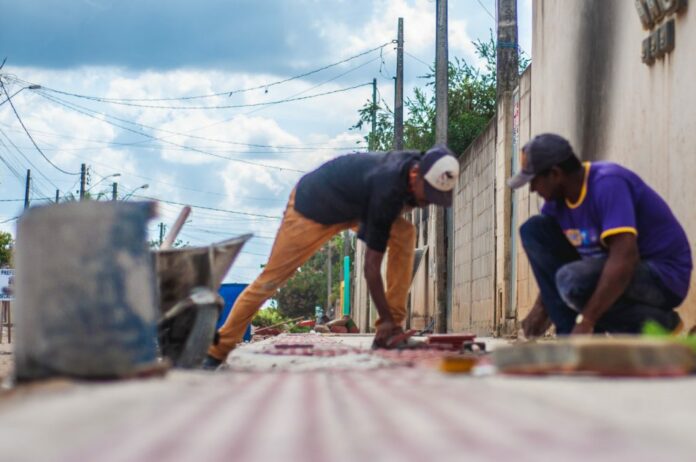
(6,245)
(307,288)
(471,105)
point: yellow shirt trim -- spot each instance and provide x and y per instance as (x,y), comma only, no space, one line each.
(583,191)
(614,231)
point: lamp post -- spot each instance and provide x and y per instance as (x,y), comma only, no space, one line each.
(113,175)
(30,87)
(145,186)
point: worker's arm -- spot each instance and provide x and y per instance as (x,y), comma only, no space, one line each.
(373,275)
(537,321)
(615,278)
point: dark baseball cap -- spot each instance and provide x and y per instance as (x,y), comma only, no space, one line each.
(440,170)
(540,154)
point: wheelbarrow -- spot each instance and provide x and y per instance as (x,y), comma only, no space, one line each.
(189,279)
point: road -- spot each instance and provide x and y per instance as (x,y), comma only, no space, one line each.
(280,412)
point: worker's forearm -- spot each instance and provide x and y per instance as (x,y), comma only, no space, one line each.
(376,288)
(615,278)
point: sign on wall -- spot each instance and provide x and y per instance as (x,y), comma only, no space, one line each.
(6,282)
(657,16)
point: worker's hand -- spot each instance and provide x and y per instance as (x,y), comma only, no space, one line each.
(537,322)
(385,332)
(584,328)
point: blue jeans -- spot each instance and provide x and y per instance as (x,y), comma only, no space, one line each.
(567,282)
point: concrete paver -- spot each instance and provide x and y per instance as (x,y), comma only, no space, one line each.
(385,414)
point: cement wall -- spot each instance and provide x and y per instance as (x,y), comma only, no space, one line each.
(473,279)
(524,204)
(591,86)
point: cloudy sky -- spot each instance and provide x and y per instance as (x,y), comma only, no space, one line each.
(191,98)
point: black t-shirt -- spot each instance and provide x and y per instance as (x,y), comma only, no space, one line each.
(370,187)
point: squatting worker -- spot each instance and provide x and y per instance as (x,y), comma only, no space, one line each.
(607,252)
(368,192)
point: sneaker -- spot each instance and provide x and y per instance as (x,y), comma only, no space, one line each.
(210,363)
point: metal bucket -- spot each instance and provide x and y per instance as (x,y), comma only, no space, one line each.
(85,291)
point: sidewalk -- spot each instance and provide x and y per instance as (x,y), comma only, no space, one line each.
(380,414)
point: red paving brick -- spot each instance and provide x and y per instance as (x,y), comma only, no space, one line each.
(393,414)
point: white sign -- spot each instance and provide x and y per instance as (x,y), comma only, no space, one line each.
(6,283)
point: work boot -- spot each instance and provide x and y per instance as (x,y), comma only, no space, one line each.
(210,363)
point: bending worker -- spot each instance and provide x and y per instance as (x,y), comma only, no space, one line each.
(607,252)
(367,191)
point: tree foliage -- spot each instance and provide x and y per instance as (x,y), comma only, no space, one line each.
(6,245)
(471,105)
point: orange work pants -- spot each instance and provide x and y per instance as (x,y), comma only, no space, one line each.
(299,238)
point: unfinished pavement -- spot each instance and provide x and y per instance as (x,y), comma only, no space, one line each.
(381,414)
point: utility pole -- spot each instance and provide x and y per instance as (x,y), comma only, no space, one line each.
(441,116)
(83,179)
(161,233)
(114,192)
(328,279)
(57,196)
(371,145)
(27,189)
(508,79)
(507,58)
(399,90)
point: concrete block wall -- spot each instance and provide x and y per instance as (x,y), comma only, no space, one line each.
(473,291)
(525,205)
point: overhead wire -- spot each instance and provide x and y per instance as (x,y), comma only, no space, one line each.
(226,92)
(231,106)
(86,112)
(19,119)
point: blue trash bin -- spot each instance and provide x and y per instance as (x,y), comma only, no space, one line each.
(230,292)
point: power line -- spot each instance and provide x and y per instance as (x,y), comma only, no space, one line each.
(418,59)
(486,9)
(225,106)
(85,111)
(303,147)
(26,158)
(9,100)
(209,208)
(227,92)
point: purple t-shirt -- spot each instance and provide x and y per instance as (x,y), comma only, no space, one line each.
(615,200)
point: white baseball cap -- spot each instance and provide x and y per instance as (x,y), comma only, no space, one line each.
(440,170)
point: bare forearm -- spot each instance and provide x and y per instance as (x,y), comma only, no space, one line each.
(373,275)
(376,288)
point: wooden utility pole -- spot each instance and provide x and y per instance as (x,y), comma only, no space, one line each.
(441,117)
(399,90)
(161,233)
(372,145)
(57,196)
(507,57)
(83,179)
(508,80)
(27,189)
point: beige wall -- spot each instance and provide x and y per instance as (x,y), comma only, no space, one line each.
(524,205)
(591,86)
(473,279)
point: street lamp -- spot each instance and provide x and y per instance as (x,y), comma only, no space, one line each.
(113,175)
(30,87)
(145,186)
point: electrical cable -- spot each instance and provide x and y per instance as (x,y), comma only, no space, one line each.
(83,111)
(212,95)
(9,100)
